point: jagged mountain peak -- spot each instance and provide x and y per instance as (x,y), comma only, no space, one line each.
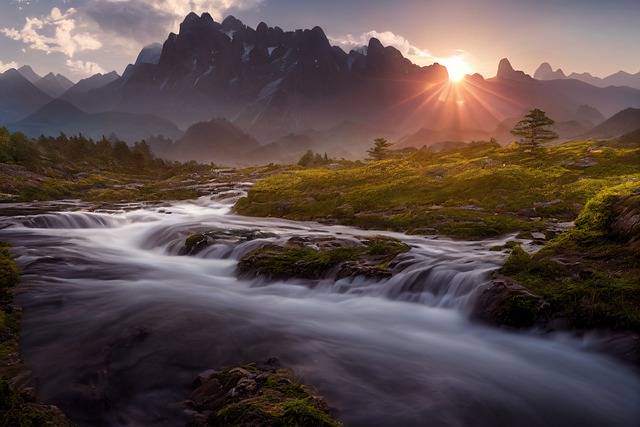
(231,23)
(546,72)
(374,44)
(29,74)
(507,72)
(504,67)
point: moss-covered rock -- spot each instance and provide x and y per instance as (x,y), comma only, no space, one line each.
(318,258)
(252,395)
(505,303)
(196,242)
(589,276)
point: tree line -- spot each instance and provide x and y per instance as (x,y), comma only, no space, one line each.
(77,152)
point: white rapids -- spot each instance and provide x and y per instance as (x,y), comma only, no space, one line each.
(117,325)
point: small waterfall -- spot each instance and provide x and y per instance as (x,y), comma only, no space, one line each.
(117,324)
(71,220)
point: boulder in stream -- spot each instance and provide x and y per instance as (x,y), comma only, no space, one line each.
(252,394)
(320,257)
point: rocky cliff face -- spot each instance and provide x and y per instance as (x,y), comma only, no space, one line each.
(264,77)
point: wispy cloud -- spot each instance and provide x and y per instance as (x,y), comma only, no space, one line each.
(5,66)
(122,26)
(387,38)
(86,68)
(56,32)
(139,22)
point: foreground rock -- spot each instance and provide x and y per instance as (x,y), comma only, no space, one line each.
(317,258)
(506,303)
(586,280)
(195,243)
(256,395)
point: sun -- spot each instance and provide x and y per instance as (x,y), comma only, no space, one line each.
(457,67)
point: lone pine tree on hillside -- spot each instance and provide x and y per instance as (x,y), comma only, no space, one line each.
(380,149)
(532,129)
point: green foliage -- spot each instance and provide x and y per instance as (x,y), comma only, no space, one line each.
(77,152)
(589,278)
(478,191)
(50,168)
(593,221)
(311,159)
(518,260)
(380,150)
(532,129)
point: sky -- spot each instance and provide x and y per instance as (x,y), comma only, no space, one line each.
(81,37)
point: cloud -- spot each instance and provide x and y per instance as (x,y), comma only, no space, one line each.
(56,32)
(387,38)
(139,22)
(4,67)
(84,68)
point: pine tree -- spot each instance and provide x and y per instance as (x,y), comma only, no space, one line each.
(380,149)
(532,129)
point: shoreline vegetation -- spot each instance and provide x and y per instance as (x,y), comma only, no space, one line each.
(76,167)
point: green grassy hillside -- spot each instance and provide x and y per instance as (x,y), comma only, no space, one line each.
(478,191)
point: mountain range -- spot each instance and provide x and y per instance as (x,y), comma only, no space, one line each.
(272,82)
(61,116)
(232,86)
(620,78)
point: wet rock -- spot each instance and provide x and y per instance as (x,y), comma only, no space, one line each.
(505,303)
(195,243)
(263,394)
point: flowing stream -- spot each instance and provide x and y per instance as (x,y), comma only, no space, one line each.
(116,326)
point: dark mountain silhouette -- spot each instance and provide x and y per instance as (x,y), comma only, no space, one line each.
(620,78)
(85,85)
(216,140)
(149,54)
(54,85)
(18,96)
(61,116)
(625,121)
(272,83)
(29,74)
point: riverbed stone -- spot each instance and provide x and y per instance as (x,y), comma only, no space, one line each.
(505,303)
(318,257)
(256,394)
